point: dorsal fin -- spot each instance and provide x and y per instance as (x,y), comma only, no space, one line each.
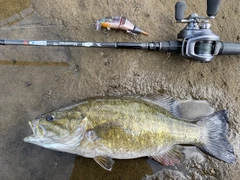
(190,110)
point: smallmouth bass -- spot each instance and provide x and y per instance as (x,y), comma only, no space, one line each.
(107,128)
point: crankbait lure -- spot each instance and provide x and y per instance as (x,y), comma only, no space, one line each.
(119,22)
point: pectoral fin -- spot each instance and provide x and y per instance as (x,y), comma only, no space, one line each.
(105,162)
(170,157)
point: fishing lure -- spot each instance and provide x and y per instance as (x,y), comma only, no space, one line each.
(119,22)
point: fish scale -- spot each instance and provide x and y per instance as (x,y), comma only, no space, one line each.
(104,128)
(167,130)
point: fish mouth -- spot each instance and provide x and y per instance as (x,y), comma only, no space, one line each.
(38,130)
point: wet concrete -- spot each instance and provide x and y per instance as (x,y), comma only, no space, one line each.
(85,168)
(35,80)
(13,11)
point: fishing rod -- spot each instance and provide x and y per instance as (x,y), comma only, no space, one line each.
(196,41)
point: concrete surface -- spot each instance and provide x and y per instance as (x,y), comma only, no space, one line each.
(35,80)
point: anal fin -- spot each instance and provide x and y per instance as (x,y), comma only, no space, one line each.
(170,157)
(105,162)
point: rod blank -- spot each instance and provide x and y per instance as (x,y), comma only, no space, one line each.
(168,46)
(126,45)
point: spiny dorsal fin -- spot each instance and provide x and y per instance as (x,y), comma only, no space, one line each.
(105,162)
(190,110)
(170,157)
(163,101)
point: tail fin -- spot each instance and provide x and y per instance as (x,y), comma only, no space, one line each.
(215,140)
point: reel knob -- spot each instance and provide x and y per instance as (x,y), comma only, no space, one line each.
(180,8)
(213,7)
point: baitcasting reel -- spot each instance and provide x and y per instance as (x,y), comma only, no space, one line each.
(199,43)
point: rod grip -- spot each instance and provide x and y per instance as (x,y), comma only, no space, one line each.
(230,48)
(180,8)
(213,7)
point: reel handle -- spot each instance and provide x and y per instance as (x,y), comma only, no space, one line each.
(213,7)
(180,8)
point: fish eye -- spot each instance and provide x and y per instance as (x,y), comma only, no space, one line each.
(49,118)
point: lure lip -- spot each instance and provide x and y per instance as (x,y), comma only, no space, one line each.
(137,30)
(98,25)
